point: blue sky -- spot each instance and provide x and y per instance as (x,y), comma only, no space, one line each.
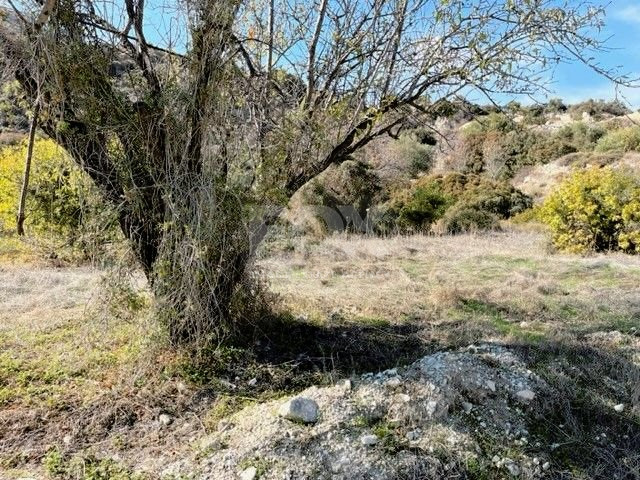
(571,82)
(575,82)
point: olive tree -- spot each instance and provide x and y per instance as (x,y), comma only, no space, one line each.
(199,119)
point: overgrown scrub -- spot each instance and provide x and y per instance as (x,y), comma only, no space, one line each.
(354,183)
(598,109)
(416,150)
(463,202)
(595,210)
(498,147)
(621,140)
(62,204)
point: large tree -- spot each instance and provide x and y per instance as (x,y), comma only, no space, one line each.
(199,119)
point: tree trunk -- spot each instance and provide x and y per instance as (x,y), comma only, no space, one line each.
(27,169)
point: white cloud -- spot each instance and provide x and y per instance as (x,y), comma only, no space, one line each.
(630,13)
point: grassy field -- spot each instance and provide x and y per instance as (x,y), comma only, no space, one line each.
(85,373)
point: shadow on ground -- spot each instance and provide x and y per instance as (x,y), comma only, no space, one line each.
(284,354)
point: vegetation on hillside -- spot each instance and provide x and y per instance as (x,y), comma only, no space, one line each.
(595,210)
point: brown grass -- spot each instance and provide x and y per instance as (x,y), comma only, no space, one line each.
(74,367)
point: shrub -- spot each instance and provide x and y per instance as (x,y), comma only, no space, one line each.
(598,108)
(352,183)
(595,210)
(462,218)
(499,148)
(500,199)
(417,153)
(467,202)
(555,105)
(624,140)
(61,200)
(13,107)
(424,206)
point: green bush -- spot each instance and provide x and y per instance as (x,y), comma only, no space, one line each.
(500,199)
(423,207)
(622,140)
(465,202)
(581,136)
(462,218)
(595,210)
(498,147)
(418,154)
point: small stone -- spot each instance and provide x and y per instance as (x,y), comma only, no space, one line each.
(491,385)
(432,405)
(249,474)
(546,466)
(525,395)
(347,385)
(413,435)
(339,465)
(495,459)
(536,461)
(619,408)
(512,468)
(67,439)
(467,407)
(300,409)
(393,382)
(165,419)
(403,397)
(369,440)
(227,384)
(252,382)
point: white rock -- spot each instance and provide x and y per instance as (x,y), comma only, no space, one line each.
(404,398)
(347,385)
(619,407)
(393,382)
(491,385)
(432,405)
(249,474)
(227,384)
(299,409)
(512,468)
(369,440)
(467,407)
(252,382)
(546,466)
(67,439)
(165,419)
(495,459)
(525,395)
(413,435)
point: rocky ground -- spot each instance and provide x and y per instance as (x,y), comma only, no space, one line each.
(436,415)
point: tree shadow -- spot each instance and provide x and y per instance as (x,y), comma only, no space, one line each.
(283,354)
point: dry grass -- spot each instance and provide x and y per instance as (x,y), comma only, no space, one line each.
(75,366)
(434,279)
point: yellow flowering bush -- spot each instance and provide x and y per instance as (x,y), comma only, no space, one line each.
(62,203)
(595,210)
